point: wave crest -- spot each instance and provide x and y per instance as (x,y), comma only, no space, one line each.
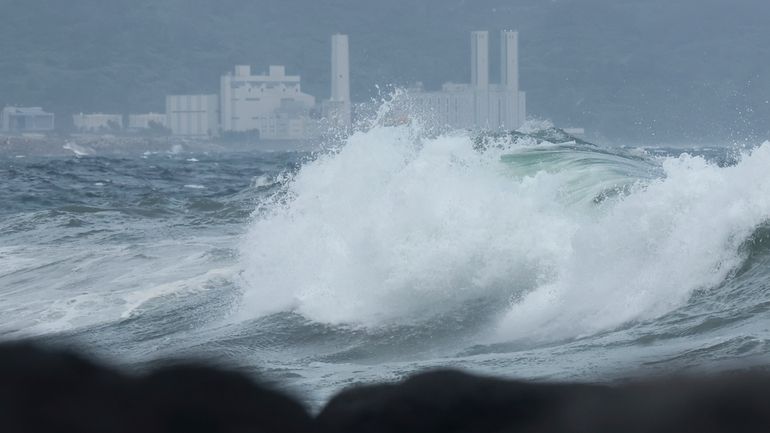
(556,240)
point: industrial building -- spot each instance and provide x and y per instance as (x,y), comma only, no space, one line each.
(193,115)
(480,104)
(271,103)
(146,121)
(97,122)
(25,119)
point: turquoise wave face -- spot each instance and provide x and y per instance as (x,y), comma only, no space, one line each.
(593,174)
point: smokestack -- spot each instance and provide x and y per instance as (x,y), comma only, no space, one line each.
(480,59)
(340,105)
(509,59)
(340,69)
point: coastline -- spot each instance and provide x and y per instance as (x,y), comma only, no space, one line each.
(40,145)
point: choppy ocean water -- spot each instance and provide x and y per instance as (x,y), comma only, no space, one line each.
(395,253)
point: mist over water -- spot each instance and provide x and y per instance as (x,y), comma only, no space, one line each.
(397,251)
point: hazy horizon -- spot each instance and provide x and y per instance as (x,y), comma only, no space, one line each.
(645,71)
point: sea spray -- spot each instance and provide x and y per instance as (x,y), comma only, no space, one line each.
(395,227)
(444,241)
(652,249)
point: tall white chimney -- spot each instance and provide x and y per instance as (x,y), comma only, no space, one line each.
(340,97)
(340,68)
(509,59)
(514,102)
(480,78)
(480,59)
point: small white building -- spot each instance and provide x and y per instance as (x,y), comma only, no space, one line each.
(97,122)
(272,104)
(145,121)
(193,115)
(25,119)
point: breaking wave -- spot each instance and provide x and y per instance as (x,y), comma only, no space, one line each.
(543,236)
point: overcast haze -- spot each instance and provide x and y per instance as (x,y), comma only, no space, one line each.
(644,71)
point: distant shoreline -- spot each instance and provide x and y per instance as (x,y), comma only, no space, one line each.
(108,145)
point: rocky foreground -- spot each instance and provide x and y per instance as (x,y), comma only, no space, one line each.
(45,391)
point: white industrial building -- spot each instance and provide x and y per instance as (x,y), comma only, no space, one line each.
(193,115)
(97,122)
(146,121)
(272,104)
(25,119)
(337,110)
(478,105)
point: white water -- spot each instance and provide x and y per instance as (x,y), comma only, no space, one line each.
(652,250)
(396,229)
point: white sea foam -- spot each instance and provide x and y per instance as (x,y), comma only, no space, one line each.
(395,228)
(652,250)
(260,181)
